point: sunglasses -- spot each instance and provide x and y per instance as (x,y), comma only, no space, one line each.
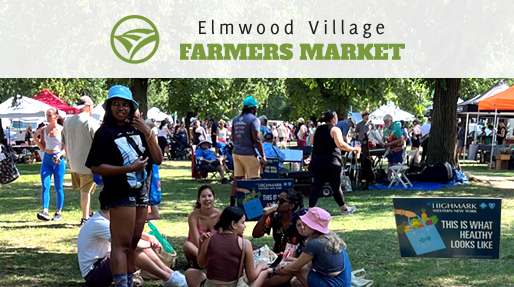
(299,213)
(281,201)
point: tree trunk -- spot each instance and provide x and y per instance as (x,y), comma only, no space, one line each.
(443,133)
(140,93)
(1,131)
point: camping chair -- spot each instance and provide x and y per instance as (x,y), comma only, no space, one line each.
(201,172)
(399,171)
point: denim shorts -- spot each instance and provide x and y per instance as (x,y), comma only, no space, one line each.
(396,157)
(132,197)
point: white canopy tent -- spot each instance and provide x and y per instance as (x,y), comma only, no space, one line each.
(25,107)
(99,112)
(153,113)
(157,115)
(397,114)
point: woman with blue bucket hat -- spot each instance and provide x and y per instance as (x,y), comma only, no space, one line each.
(123,152)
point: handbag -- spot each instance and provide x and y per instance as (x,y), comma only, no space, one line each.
(98,179)
(8,170)
(155,186)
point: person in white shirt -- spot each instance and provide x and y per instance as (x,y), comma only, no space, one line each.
(425,133)
(78,133)
(94,247)
(415,134)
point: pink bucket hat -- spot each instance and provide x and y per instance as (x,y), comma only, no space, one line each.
(317,219)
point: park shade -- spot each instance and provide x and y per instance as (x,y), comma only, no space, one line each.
(503,101)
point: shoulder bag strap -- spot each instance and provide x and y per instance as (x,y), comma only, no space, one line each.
(241,261)
(132,143)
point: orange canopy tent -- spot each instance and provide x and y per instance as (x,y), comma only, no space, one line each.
(503,101)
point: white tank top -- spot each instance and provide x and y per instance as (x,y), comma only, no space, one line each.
(53,143)
(163,132)
(222,133)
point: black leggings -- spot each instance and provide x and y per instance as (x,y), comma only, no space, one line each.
(326,172)
(163,143)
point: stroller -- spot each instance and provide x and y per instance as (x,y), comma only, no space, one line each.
(178,149)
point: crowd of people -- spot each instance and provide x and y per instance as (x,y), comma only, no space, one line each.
(123,148)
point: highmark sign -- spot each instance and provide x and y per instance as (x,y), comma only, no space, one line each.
(448,227)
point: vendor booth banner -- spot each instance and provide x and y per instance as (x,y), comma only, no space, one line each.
(253,195)
(448,227)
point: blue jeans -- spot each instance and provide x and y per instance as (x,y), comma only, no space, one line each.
(48,167)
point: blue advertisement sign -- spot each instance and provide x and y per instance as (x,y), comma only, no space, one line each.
(448,227)
(253,195)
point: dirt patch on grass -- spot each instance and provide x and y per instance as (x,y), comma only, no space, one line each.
(506,182)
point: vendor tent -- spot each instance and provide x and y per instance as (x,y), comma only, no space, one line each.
(24,107)
(471,105)
(47,97)
(397,114)
(99,112)
(503,101)
(156,114)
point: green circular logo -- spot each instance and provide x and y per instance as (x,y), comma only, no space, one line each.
(132,39)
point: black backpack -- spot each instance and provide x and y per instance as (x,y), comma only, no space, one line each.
(440,172)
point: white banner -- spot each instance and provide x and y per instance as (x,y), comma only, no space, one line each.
(266,38)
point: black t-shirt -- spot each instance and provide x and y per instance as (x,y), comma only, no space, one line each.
(214,129)
(110,146)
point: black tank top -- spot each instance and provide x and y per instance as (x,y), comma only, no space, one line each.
(324,144)
(499,139)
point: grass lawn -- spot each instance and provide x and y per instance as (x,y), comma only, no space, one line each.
(35,253)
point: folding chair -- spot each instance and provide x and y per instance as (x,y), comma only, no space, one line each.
(398,171)
(199,171)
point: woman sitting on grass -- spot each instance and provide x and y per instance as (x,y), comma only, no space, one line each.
(330,264)
(223,260)
(280,219)
(202,220)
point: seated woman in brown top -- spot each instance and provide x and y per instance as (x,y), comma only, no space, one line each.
(224,262)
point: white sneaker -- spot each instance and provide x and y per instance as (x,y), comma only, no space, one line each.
(177,279)
(349,210)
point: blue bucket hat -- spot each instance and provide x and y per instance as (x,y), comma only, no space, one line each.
(250,102)
(121,92)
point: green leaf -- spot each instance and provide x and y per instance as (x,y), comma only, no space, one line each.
(143,43)
(132,37)
(126,43)
(135,31)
